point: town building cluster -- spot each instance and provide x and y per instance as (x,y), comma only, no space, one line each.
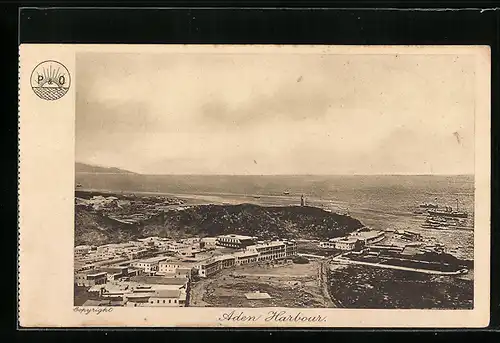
(157,271)
(356,240)
(129,209)
(377,243)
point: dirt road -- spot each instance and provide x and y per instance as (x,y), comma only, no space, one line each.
(197,292)
(323,277)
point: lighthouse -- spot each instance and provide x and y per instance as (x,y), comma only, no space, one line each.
(302,200)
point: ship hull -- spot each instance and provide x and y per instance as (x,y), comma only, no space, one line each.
(448,214)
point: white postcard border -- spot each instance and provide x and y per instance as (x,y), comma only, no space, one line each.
(46,208)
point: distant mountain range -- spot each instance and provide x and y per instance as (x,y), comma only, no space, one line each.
(88,168)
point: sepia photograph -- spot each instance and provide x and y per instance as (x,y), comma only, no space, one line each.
(274,180)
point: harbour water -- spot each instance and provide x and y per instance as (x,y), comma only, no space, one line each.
(381,202)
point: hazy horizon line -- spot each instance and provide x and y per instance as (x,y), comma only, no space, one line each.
(355,174)
(127,171)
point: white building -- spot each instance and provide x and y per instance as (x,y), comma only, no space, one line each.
(168,298)
(155,297)
(327,245)
(269,251)
(171,266)
(212,266)
(369,236)
(345,243)
(151,239)
(235,241)
(208,243)
(245,257)
(135,252)
(82,250)
(150,265)
(175,247)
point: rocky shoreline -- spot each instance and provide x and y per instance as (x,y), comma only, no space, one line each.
(356,286)
(99,222)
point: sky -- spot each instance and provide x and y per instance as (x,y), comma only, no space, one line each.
(264,114)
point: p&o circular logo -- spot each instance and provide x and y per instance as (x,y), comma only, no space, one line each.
(50,80)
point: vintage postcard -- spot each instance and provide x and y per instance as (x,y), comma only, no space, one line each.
(254,186)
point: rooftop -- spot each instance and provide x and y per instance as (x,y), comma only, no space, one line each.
(241,254)
(174,260)
(159,280)
(236,236)
(199,258)
(118,245)
(167,293)
(138,296)
(224,257)
(114,269)
(148,238)
(345,239)
(91,272)
(154,259)
(368,234)
(267,244)
(257,296)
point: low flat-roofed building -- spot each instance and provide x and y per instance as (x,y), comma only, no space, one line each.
(212,266)
(114,290)
(369,236)
(83,265)
(290,248)
(208,242)
(82,250)
(269,250)
(383,248)
(170,265)
(175,246)
(327,245)
(226,261)
(184,272)
(163,245)
(90,278)
(257,295)
(245,257)
(118,272)
(135,252)
(410,235)
(176,268)
(346,243)
(149,265)
(209,268)
(190,241)
(188,252)
(149,239)
(102,252)
(137,300)
(160,280)
(167,298)
(235,241)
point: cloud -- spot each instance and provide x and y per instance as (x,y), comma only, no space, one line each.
(288,103)
(217,113)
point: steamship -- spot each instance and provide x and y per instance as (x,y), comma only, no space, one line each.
(447,211)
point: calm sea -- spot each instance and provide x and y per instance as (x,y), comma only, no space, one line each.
(380,202)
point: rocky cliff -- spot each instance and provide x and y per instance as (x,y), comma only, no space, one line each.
(210,220)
